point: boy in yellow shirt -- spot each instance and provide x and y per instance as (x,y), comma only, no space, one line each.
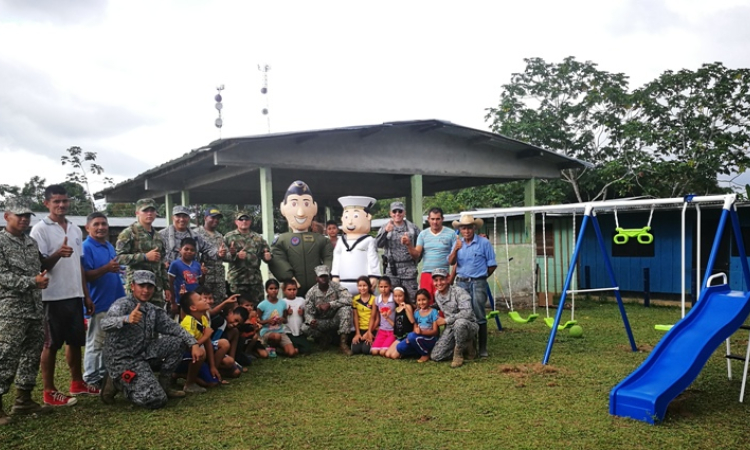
(196,323)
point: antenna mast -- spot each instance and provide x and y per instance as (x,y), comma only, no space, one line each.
(264,91)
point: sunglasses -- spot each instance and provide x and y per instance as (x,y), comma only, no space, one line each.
(244,219)
(398,211)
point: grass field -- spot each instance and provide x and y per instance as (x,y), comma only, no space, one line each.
(328,401)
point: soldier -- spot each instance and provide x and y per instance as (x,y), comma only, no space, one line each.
(179,230)
(401,266)
(460,324)
(247,249)
(297,253)
(139,337)
(215,275)
(21,312)
(140,247)
(328,307)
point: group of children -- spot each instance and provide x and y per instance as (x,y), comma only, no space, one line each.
(236,331)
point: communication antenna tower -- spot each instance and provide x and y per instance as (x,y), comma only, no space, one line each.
(219,122)
(264,91)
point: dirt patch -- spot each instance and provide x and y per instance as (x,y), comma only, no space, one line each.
(681,406)
(522,371)
(643,348)
(424,418)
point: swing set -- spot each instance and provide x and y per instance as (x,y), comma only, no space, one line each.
(642,235)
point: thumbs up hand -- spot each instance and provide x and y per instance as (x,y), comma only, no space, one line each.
(232,250)
(135,315)
(42,281)
(222,250)
(153,255)
(65,251)
(114,266)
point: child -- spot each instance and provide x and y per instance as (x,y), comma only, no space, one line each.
(295,316)
(196,323)
(272,318)
(384,319)
(185,274)
(224,338)
(404,323)
(362,305)
(425,334)
(249,330)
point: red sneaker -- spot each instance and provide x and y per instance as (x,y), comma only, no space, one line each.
(81,388)
(57,398)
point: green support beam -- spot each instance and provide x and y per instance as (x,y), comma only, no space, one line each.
(168,208)
(414,205)
(266,208)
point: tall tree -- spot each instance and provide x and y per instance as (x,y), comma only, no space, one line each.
(77,159)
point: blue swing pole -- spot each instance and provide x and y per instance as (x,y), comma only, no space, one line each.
(611,272)
(566,285)
(714,251)
(492,305)
(740,246)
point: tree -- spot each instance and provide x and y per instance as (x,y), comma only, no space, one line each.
(77,158)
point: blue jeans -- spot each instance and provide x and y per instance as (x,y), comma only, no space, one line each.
(477,289)
(93,363)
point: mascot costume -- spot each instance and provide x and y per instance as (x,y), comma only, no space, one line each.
(297,253)
(356,252)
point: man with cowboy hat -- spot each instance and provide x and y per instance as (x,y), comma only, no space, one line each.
(475,259)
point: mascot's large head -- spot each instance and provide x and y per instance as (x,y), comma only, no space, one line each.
(355,221)
(298,207)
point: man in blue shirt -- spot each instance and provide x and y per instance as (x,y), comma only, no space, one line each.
(102,272)
(475,259)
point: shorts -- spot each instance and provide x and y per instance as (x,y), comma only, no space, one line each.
(204,373)
(383,340)
(284,340)
(63,323)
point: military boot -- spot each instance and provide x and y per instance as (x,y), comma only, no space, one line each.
(25,405)
(166,383)
(471,351)
(458,357)
(109,390)
(483,340)
(345,349)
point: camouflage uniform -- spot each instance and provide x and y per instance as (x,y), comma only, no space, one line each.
(215,278)
(132,245)
(172,239)
(338,317)
(21,312)
(460,323)
(402,269)
(136,347)
(244,275)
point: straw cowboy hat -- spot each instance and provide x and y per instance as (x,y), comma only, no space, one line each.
(468,220)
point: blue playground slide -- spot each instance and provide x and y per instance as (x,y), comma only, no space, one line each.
(679,357)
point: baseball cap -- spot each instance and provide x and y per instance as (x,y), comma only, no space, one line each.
(18,206)
(398,205)
(144,277)
(212,211)
(180,209)
(241,214)
(322,270)
(440,272)
(145,203)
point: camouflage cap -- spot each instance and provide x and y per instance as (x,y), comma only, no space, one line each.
(18,206)
(440,272)
(322,270)
(145,203)
(241,214)
(397,205)
(180,209)
(144,277)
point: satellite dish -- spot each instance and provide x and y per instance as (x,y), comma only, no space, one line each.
(265,111)
(219,122)
(217,97)
(264,90)
(219,106)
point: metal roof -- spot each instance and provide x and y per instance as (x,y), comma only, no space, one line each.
(373,160)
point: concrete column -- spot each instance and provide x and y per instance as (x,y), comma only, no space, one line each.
(168,208)
(414,204)
(529,200)
(266,208)
(185,198)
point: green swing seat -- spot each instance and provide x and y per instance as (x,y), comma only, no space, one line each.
(515,317)
(663,327)
(550,321)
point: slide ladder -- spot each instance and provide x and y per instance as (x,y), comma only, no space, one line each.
(679,357)
(745,358)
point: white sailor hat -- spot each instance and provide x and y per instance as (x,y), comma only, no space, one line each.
(353,200)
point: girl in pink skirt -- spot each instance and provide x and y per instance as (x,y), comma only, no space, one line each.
(386,313)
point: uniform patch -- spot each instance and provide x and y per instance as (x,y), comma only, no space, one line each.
(295,241)
(308,238)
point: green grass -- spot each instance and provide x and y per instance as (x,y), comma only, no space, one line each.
(328,401)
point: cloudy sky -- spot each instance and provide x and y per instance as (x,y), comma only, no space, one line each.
(134,80)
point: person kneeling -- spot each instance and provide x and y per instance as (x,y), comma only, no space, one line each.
(141,336)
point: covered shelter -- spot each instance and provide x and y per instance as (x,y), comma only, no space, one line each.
(394,159)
